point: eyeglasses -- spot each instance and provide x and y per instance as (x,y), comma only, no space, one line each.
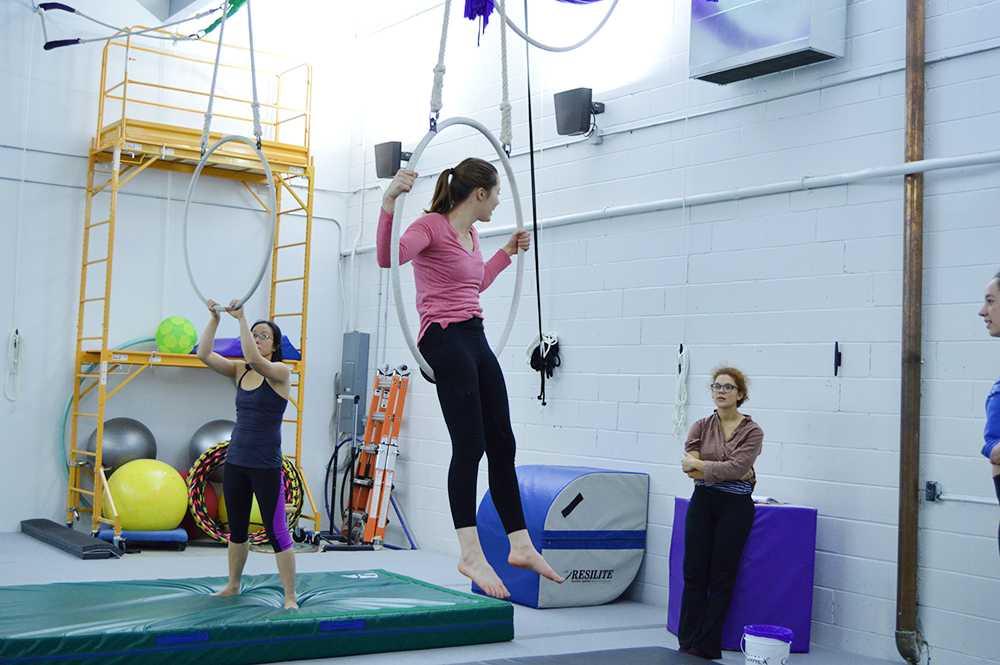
(263,337)
(722,387)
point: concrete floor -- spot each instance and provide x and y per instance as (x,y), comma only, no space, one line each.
(618,625)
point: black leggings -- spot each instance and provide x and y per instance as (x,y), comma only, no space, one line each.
(239,485)
(717,527)
(473,397)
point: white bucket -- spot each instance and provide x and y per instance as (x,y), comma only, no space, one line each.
(764,650)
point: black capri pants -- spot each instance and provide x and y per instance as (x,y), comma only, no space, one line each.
(239,485)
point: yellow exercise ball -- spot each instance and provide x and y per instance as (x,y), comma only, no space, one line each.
(149,495)
(256,521)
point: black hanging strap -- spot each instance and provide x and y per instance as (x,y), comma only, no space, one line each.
(534,199)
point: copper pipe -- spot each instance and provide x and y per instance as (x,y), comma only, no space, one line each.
(908,640)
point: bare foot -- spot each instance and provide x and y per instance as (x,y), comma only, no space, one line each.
(529,558)
(481,572)
(291,604)
(227,591)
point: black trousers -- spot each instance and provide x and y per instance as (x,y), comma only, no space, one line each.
(717,527)
(473,397)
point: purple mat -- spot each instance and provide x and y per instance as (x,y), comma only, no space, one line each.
(229,347)
(775,582)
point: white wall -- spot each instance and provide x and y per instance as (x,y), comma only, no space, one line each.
(766,283)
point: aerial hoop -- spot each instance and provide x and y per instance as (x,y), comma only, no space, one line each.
(254,145)
(271,214)
(398,215)
(547,47)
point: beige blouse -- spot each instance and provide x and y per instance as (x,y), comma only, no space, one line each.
(726,460)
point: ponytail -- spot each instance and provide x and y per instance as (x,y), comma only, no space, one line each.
(441,202)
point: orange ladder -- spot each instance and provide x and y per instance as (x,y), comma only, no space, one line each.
(375,471)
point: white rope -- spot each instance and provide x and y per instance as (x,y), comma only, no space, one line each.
(12,383)
(681,399)
(506,133)
(439,68)
(41,17)
(125,32)
(556,49)
(12,379)
(253,77)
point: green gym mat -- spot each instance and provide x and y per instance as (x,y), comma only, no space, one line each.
(179,621)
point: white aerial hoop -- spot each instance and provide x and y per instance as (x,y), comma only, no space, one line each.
(547,47)
(398,215)
(207,151)
(502,148)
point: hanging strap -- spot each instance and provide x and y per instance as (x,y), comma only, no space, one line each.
(255,104)
(215,75)
(506,133)
(534,198)
(253,78)
(439,70)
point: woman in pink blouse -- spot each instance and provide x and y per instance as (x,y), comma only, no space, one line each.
(450,273)
(718,455)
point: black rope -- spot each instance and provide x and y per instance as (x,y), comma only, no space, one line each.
(330,494)
(347,483)
(331,463)
(534,199)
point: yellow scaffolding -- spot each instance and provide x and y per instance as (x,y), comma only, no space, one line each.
(130,143)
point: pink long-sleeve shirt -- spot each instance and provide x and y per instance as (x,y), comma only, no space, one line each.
(448,277)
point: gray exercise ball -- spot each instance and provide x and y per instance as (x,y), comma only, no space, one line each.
(125,439)
(207,436)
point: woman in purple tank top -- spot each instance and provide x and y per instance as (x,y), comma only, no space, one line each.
(253,460)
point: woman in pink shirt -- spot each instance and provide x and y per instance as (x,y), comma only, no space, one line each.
(449,272)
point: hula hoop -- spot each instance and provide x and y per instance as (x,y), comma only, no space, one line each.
(197,480)
(272,215)
(556,49)
(394,246)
